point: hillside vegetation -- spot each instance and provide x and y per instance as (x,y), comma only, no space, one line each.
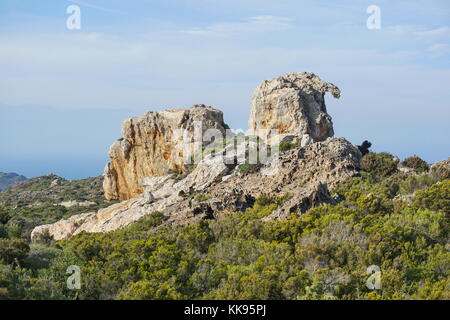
(38,201)
(395,220)
(9,179)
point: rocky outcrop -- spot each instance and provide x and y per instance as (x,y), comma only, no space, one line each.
(216,187)
(164,193)
(292,106)
(140,171)
(154,144)
(327,162)
(302,201)
(444,164)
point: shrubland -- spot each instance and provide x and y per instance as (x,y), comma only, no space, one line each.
(397,221)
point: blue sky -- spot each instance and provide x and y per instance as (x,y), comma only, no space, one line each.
(64,93)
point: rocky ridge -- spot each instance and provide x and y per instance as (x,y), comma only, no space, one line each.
(141,171)
(303,173)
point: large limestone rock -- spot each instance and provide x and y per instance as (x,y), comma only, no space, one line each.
(154,144)
(294,106)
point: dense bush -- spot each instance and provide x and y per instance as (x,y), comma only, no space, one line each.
(435,197)
(3,232)
(417,182)
(416,163)
(4,215)
(380,165)
(13,250)
(322,254)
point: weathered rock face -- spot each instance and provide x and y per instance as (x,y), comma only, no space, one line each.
(163,193)
(152,145)
(302,201)
(304,173)
(327,162)
(139,171)
(294,106)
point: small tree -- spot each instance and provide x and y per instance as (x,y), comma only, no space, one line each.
(380,165)
(416,163)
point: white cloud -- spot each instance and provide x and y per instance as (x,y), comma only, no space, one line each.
(258,24)
(434,34)
(401,30)
(93,6)
(440,49)
(422,33)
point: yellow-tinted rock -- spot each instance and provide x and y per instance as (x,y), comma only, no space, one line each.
(292,105)
(154,144)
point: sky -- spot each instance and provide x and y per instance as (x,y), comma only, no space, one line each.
(64,93)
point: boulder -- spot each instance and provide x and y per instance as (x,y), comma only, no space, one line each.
(154,144)
(302,201)
(292,105)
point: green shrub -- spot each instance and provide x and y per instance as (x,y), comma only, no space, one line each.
(4,215)
(417,182)
(145,223)
(13,250)
(393,183)
(416,163)
(321,254)
(285,146)
(3,232)
(202,197)
(44,238)
(267,200)
(380,165)
(247,168)
(435,197)
(14,229)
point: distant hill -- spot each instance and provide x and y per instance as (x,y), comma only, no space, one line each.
(49,198)
(9,179)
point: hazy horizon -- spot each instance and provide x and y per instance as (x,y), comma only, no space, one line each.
(64,93)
